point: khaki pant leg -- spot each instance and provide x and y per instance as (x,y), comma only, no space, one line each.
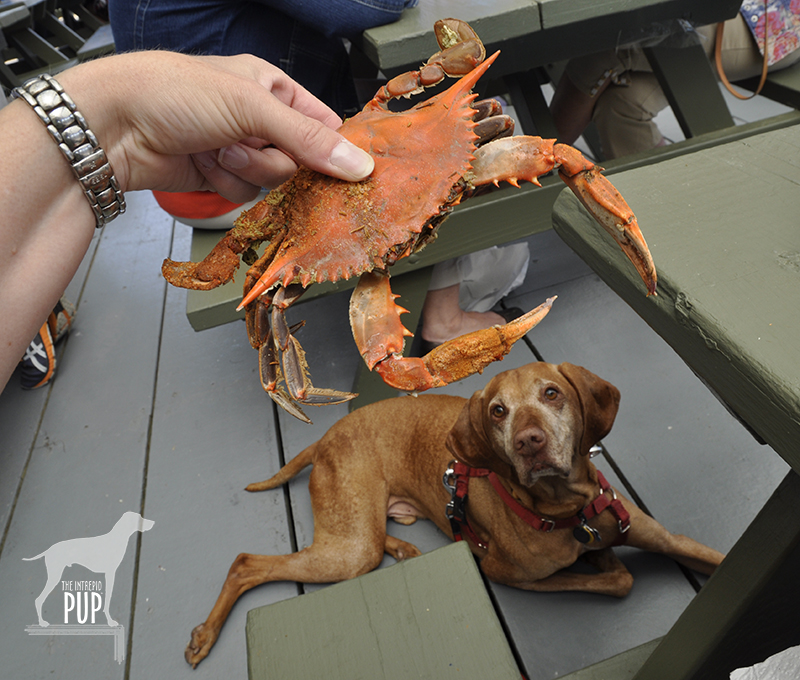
(624,115)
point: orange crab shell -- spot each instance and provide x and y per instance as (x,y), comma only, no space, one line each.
(339,229)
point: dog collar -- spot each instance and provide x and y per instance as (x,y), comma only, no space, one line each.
(456,482)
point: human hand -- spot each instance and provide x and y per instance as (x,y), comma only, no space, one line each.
(228,124)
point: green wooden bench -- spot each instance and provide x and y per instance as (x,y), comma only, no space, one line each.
(722,224)
(429,618)
(781,86)
(499,217)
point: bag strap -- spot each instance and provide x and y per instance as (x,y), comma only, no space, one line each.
(718,59)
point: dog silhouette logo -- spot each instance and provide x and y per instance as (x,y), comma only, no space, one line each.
(100,554)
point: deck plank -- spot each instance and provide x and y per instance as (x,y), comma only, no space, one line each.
(212,426)
(21,410)
(87,463)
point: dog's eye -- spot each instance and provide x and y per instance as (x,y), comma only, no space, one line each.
(551,393)
(498,411)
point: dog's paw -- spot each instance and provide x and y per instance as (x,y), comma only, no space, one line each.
(200,645)
(400,550)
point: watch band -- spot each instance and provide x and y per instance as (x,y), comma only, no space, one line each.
(78,144)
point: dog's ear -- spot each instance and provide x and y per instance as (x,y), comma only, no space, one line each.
(599,403)
(469,441)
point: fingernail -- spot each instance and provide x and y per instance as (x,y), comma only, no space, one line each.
(208,159)
(234,157)
(352,160)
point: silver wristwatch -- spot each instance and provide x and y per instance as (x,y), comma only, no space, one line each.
(78,144)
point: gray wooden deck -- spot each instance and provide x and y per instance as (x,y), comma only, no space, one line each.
(147,415)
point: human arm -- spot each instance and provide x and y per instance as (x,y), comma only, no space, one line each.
(157,116)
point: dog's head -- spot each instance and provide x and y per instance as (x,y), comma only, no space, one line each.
(133,521)
(534,421)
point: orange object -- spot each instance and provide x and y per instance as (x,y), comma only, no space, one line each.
(196,205)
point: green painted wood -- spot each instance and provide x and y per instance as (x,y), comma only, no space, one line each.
(428,617)
(567,12)
(501,216)
(781,86)
(14,13)
(722,227)
(697,101)
(620,667)
(99,43)
(740,617)
(531,32)
(411,41)
(728,274)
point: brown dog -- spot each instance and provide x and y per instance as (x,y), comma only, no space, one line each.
(532,427)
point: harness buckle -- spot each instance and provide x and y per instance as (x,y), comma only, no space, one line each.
(585,534)
(624,525)
(449,480)
(454,510)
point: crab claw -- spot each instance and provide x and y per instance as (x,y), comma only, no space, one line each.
(218,267)
(463,356)
(374,317)
(608,207)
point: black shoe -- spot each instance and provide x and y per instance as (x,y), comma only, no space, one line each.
(39,363)
(426,346)
(509,314)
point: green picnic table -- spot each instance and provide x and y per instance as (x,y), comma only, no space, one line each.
(722,225)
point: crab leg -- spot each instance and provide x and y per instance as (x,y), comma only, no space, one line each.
(461,52)
(608,207)
(525,158)
(292,363)
(221,263)
(379,335)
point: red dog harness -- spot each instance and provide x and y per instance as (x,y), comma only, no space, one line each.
(456,481)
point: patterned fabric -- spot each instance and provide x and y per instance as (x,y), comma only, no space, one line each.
(783,26)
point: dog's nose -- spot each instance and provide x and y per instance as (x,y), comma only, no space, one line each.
(530,440)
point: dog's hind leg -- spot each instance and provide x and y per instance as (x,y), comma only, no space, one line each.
(612,577)
(349,539)
(647,534)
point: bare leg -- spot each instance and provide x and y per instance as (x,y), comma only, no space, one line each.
(443,319)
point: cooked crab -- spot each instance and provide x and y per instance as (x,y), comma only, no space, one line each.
(427,159)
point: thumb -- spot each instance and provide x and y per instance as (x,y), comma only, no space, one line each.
(311,143)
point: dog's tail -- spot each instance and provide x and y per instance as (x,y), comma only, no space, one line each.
(30,559)
(287,472)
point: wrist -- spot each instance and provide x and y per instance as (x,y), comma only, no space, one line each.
(77,143)
(93,87)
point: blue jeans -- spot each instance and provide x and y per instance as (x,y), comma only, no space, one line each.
(302,37)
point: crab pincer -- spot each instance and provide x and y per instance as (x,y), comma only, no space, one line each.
(379,335)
